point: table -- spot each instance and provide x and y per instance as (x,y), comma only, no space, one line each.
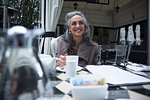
(62,88)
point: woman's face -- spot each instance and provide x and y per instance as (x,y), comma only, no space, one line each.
(77,26)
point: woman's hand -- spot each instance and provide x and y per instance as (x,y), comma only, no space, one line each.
(61,60)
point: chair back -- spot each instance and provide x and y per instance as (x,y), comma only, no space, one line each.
(53,46)
(104,47)
(121,52)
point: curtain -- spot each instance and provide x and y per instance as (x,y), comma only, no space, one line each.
(138,33)
(50,12)
(130,37)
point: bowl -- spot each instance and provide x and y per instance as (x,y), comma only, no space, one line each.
(93,92)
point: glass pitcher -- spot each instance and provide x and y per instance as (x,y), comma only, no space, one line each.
(23,75)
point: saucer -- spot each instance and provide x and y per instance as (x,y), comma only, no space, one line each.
(64,69)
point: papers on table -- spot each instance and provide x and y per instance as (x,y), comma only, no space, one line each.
(137,67)
(116,76)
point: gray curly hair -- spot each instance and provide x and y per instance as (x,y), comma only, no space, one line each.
(68,35)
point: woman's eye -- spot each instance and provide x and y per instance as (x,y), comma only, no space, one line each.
(80,23)
(73,23)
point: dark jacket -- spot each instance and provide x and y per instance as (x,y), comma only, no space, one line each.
(88,54)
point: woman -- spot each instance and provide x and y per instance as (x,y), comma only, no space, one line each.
(76,41)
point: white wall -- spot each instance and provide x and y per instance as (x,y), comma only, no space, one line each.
(110,19)
(125,14)
(95,18)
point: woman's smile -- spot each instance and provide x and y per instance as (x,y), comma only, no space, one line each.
(78,30)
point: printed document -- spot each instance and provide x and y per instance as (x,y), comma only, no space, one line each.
(116,76)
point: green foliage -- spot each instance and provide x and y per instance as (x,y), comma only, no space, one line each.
(26,13)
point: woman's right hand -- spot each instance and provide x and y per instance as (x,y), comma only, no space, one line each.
(61,60)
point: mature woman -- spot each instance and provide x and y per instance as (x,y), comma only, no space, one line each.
(76,41)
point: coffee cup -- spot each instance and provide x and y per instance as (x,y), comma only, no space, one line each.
(71,66)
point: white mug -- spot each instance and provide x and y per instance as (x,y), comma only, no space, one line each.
(71,65)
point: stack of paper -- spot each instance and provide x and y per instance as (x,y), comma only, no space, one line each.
(117,76)
(137,67)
